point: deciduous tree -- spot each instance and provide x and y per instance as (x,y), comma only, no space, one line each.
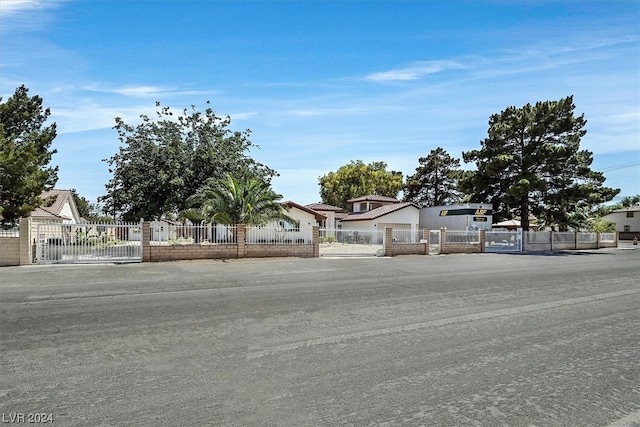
(358,179)
(25,155)
(163,162)
(531,163)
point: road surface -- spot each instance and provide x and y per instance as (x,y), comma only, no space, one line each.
(456,340)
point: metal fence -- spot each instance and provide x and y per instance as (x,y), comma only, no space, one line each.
(608,237)
(400,235)
(10,232)
(260,235)
(363,237)
(538,237)
(503,241)
(452,236)
(434,242)
(174,234)
(586,237)
(88,242)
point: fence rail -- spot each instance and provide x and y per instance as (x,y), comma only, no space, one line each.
(401,235)
(172,234)
(10,232)
(88,242)
(452,236)
(257,235)
(366,237)
(608,237)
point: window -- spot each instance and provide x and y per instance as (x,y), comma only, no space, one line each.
(363,207)
(289,226)
(627,228)
(629,214)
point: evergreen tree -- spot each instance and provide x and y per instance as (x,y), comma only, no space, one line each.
(25,155)
(435,181)
(531,163)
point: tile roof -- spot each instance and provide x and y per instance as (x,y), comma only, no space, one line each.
(323,207)
(377,212)
(629,209)
(59,197)
(373,198)
(46,212)
(319,216)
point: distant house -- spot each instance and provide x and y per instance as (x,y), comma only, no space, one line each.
(59,206)
(627,221)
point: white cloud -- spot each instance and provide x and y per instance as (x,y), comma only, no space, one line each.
(13,7)
(415,72)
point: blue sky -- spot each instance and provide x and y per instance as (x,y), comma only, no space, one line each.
(321,83)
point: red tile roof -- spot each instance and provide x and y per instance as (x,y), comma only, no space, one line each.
(373,198)
(323,207)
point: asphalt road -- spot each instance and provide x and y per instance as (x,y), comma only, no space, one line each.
(457,340)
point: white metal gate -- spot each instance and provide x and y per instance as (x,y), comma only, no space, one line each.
(343,242)
(503,241)
(88,243)
(434,242)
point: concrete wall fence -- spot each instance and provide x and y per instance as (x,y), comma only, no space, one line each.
(19,250)
(237,249)
(455,242)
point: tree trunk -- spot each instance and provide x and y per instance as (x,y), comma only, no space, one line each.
(524,216)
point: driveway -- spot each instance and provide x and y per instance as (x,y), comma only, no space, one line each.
(511,340)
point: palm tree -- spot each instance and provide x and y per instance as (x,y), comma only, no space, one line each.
(230,201)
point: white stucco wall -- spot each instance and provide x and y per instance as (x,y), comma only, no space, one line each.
(620,219)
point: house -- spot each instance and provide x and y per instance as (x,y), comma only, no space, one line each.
(332,214)
(59,207)
(372,214)
(627,221)
(305,216)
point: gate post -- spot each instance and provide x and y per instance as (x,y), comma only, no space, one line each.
(26,250)
(483,239)
(315,239)
(387,241)
(426,237)
(146,241)
(241,241)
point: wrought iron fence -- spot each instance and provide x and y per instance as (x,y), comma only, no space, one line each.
(88,242)
(454,236)
(400,235)
(10,232)
(163,233)
(268,235)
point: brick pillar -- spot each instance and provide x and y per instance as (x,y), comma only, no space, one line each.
(443,239)
(241,240)
(425,236)
(387,241)
(316,241)
(483,238)
(146,241)
(26,251)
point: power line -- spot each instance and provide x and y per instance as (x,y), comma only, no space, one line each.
(620,166)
